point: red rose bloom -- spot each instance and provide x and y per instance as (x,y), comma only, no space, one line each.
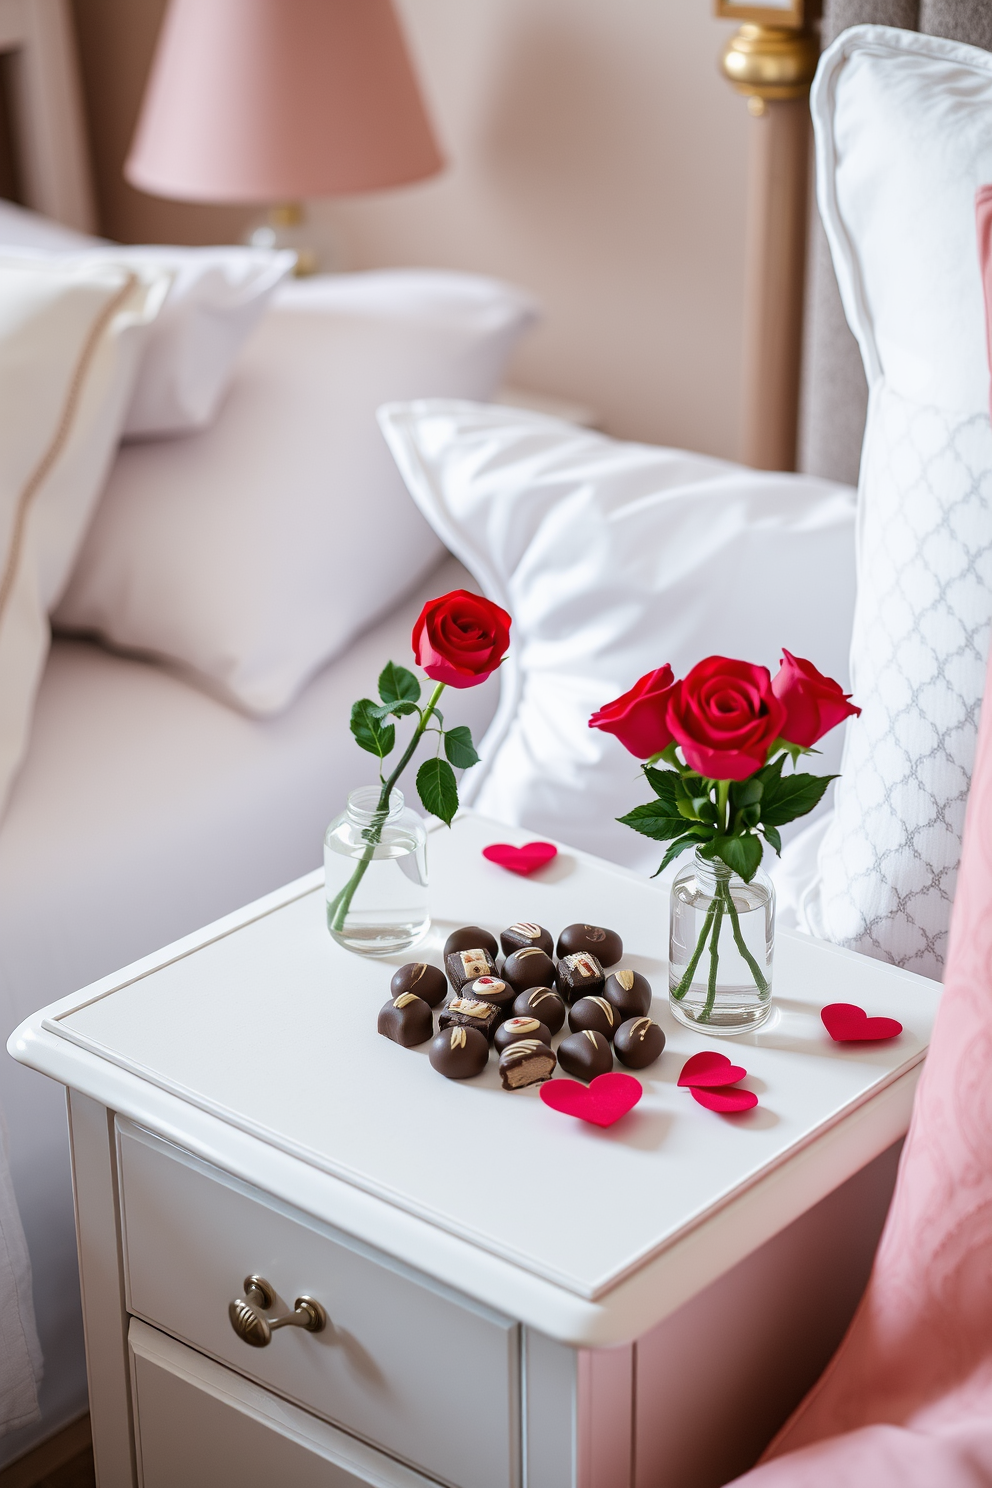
(638,717)
(814,704)
(725,716)
(461,638)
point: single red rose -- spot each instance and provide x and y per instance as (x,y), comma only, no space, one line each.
(725,716)
(638,718)
(814,704)
(461,638)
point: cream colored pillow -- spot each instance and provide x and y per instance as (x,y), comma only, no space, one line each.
(69,341)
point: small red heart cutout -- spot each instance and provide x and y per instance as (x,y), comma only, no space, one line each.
(523,860)
(709,1070)
(725,1101)
(846,1023)
(604,1101)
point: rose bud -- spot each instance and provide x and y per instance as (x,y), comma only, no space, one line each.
(813,703)
(637,718)
(461,638)
(725,716)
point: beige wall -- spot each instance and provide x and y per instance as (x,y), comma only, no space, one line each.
(597,158)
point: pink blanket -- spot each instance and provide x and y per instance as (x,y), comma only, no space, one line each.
(907,1399)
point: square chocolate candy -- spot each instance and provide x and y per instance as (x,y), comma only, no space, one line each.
(465,966)
(579,975)
(465,1012)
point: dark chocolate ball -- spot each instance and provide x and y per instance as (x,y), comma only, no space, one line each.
(407,1020)
(530,967)
(638,1043)
(629,992)
(584,1055)
(605,945)
(542,1003)
(459,1053)
(491,989)
(595,1013)
(470,938)
(525,933)
(427,982)
(515,1029)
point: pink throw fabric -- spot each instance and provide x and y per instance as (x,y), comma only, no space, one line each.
(907,1400)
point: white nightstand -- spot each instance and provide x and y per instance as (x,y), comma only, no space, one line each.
(515,1299)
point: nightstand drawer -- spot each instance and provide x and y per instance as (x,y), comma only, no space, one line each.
(413,1368)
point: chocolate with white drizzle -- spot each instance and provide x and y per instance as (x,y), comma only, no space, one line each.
(638,1043)
(459,1053)
(526,1063)
(466,1012)
(465,965)
(530,967)
(426,981)
(525,933)
(595,1013)
(585,1055)
(629,992)
(407,1020)
(542,1003)
(579,975)
(515,1029)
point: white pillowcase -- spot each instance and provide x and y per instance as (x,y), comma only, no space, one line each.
(250,554)
(69,348)
(613,559)
(904,138)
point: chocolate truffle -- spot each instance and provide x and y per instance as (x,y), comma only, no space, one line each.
(407,1020)
(467,938)
(525,933)
(541,1002)
(595,1013)
(530,967)
(459,1053)
(526,1063)
(579,975)
(465,1012)
(638,1043)
(491,989)
(629,992)
(465,966)
(515,1029)
(605,945)
(584,1054)
(426,981)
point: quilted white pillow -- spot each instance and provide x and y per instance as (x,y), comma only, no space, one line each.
(612,559)
(903,138)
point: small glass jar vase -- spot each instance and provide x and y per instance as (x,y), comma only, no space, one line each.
(375,875)
(720,948)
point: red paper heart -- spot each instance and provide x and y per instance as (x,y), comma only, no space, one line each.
(604,1101)
(524,860)
(846,1023)
(709,1070)
(724,1101)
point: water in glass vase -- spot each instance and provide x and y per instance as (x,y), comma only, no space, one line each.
(375,875)
(720,948)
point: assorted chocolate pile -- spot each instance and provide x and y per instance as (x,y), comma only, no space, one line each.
(517,1008)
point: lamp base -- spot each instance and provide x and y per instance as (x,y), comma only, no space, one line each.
(285,226)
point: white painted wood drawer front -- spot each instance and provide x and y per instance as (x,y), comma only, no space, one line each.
(427,1375)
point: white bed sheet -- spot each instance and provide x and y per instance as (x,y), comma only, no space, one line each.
(144,810)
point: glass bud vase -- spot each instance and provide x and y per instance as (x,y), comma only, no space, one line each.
(375,875)
(720,948)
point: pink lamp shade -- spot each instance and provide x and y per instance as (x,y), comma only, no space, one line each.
(276,100)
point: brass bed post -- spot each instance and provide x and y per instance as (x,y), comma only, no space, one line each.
(771,60)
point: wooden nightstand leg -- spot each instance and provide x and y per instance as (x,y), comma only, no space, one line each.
(101,1280)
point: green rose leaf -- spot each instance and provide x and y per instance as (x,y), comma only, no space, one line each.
(678,846)
(741,854)
(791,796)
(397,685)
(459,748)
(746,792)
(369,731)
(437,789)
(398,710)
(772,838)
(666,784)
(656,819)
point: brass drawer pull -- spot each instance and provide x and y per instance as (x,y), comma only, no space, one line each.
(251,1325)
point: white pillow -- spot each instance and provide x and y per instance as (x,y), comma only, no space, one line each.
(69,347)
(252,553)
(903,139)
(613,559)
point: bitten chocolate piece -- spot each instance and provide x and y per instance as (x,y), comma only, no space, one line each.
(638,1043)
(467,938)
(578,976)
(584,1055)
(466,1012)
(526,1063)
(465,966)
(407,1020)
(515,1029)
(530,967)
(541,1002)
(524,933)
(605,945)
(595,1013)
(491,989)
(426,981)
(459,1053)
(629,992)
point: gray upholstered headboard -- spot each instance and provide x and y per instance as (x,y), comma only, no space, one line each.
(833,394)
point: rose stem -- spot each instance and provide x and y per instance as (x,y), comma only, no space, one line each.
(704,1016)
(760,981)
(340,905)
(689,972)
